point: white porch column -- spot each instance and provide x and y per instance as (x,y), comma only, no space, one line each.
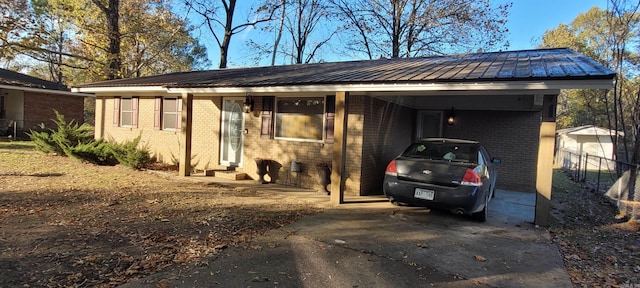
(545,161)
(338,162)
(185,135)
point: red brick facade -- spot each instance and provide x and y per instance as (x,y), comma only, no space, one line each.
(38,108)
(387,131)
(511,136)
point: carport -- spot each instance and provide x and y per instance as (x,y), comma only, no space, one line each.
(470,90)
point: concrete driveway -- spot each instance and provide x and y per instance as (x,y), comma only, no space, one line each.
(376,244)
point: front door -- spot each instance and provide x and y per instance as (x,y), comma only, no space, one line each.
(232,132)
(429,124)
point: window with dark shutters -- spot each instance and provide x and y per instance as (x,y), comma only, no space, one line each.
(116,111)
(167,114)
(179,116)
(157,111)
(134,112)
(329,118)
(266,127)
(297,118)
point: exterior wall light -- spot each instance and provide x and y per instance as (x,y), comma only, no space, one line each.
(452,117)
(247,106)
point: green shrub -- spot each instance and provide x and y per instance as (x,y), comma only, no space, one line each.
(61,140)
(77,141)
(130,155)
(44,142)
(98,152)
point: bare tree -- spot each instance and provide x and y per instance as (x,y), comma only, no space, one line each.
(301,24)
(276,43)
(624,101)
(409,28)
(208,10)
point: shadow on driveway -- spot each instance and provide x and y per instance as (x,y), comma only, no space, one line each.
(376,244)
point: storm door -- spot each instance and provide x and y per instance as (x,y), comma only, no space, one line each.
(232,132)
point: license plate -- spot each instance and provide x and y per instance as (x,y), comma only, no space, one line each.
(425,194)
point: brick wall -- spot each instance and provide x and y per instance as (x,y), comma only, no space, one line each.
(163,144)
(511,136)
(283,152)
(38,108)
(205,137)
(387,132)
(377,132)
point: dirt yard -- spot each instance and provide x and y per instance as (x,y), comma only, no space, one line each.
(598,249)
(64,223)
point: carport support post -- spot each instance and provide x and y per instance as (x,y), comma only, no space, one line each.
(99,110)
(545,161)
(185,135)
(338,162)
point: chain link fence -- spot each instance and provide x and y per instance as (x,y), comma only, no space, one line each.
(596,172)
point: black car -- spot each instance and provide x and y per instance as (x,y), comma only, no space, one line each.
(452,174)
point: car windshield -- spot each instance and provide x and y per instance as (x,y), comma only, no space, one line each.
(454,152)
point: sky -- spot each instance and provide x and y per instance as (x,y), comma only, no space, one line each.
(529,19)
(527,22)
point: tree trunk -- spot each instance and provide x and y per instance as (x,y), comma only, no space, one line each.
(279,36)
(395,38)
(111,12)
(228,32)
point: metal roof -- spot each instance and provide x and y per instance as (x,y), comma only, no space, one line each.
(12,78)
(525,65)
(588,130)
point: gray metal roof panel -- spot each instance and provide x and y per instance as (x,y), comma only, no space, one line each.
(12,78)
(539,64)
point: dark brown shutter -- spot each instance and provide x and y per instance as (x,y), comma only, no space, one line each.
(116,111)
(179,116)
(134,112)
(266,129)
(330,118)
(157,111)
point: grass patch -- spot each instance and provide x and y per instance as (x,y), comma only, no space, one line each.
(17,145)
(563,183)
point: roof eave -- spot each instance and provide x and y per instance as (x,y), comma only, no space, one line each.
(109,89)
(47,91)
(368,87)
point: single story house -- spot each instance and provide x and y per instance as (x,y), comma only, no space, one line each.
(574,143)
(355,115)
(26,102)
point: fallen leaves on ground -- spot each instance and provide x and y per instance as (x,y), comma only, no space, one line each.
(480,258)
(598,250)
(67,223)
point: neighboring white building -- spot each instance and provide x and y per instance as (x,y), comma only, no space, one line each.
(583,140)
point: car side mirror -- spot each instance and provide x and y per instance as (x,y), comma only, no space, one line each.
(496,160)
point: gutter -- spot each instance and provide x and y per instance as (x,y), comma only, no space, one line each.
(47,91)
(399,87)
